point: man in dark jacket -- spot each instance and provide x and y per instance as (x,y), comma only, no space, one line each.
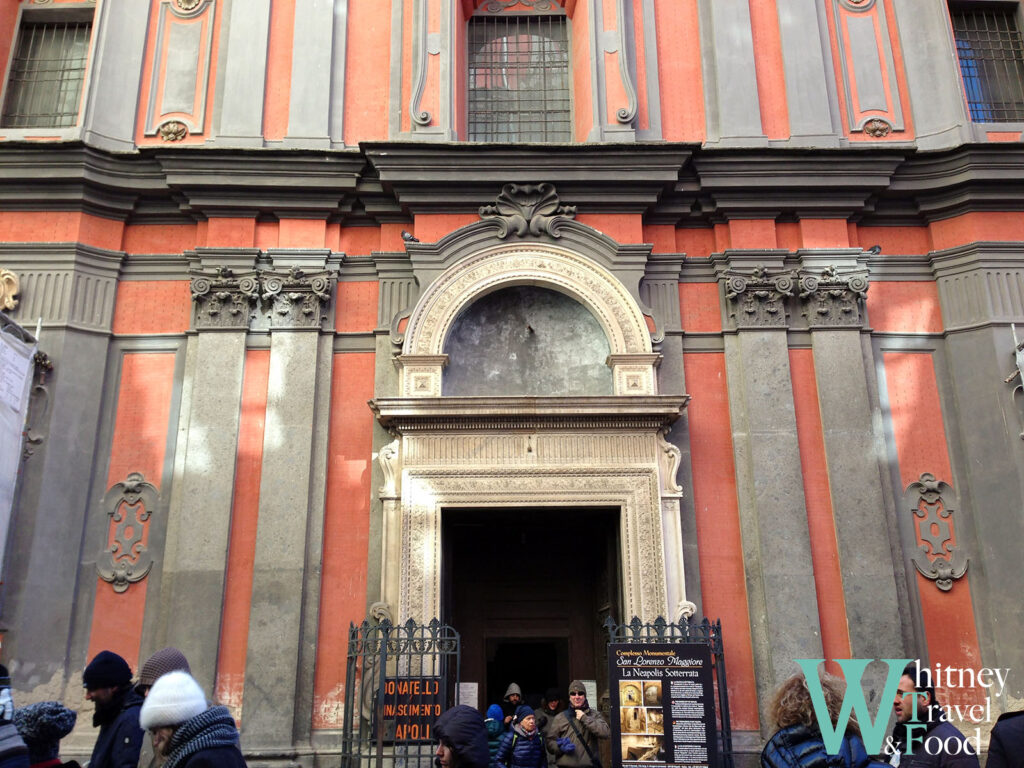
(923,738)
(462,739)
(572,739)
(1006,749)
(107,682)
(186,731)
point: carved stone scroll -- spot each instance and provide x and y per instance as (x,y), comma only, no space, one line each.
(937,557)
(388,458)
(223,299)
(9,287)
(129,505)
(834,298)
(523,209)
(296,298)
(669,460)
(758,298)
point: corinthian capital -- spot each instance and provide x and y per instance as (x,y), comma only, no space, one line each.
(223,299)
(834,298)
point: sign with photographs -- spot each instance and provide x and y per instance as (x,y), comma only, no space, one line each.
(662,705)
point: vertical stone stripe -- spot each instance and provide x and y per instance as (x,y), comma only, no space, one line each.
(197,536)
(346,530)
(722,576)
(244,64)
(312,55)
(234,631)
(276,615)
(140,437)
(921,446)
(828,581)
(734,110)
(806,68)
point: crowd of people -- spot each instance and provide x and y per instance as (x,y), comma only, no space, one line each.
(186,731)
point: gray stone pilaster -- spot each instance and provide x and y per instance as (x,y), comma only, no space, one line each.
(195,563)
(933,74)
(338,68)
(730,83)
(246,30)
(313,65)
(833,306)
(50,576)
(808,64)
(283,612)
(112,102)
(773,514)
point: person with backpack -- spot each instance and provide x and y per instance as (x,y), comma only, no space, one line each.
(522,745)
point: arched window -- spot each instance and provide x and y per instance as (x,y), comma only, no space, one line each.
(519,88)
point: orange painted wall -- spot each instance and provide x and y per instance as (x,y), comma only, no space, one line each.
(700,307)
(770,72)
(977,226)
(346,530)
(623,227)
(366,80)
(615,91)
(141,422)
(695,243)
(720,547)
(824,233)
(230,232)
(356,307)
(752,233)
(152,306)
(828,580)
(899,240)
(582,102)
(234,629)
(359,241)
(279,70)
(301,233)
(641,41)
(158,238)
(921,446)
(431,227)
(904,307)
(679,70)
(60,227)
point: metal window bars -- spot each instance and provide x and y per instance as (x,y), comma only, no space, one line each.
(991,53)
(46,75)
(398,679)
(702,632)
(519,79)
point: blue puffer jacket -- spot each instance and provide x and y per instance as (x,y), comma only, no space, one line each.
(800,746)
(520,749)
(463,728)
(495,724)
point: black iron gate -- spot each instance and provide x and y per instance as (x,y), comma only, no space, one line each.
(690,632)
(398,679)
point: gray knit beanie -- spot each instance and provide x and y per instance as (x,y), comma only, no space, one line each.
(173,699)
(160,663)
(42,726)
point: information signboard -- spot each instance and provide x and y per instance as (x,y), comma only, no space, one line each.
(409,707)
(662,705)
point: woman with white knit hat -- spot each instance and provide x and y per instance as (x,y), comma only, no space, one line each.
(184,729)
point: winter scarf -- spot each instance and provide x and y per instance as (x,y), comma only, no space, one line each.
(213,728)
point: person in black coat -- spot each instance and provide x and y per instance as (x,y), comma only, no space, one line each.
(189,733)
(1006,749)
(108,684)
(462,739)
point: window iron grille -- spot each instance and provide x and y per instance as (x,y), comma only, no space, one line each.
(46,75)
(991,53)
(519,86)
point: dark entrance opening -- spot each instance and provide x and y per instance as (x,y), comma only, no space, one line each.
(528,591)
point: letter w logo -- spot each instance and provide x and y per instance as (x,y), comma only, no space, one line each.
(872,730)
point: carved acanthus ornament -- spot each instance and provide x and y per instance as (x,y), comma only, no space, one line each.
(388,458)
(172,130)
(222,298)
(669,459)
(129,505)
(296,298)
(877,128)
(528,209)
(9,287)
(833,298)
(759,297)
(937,557)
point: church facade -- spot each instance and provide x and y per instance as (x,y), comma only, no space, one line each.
(517,314)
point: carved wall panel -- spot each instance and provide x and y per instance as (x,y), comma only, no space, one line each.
(129,504)
(867,68)
(181,61)
(938,557)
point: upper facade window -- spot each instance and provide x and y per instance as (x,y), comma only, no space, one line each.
(44,86)
(988,42)
(519,88)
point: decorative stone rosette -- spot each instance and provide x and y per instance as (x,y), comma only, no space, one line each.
(758,298)
(223,299)
(834,298)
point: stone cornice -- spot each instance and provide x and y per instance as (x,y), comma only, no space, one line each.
(651,412)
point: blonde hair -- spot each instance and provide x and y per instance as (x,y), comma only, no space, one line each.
(791,704)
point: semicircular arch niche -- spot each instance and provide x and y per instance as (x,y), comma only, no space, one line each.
(526,340)
(630,357)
